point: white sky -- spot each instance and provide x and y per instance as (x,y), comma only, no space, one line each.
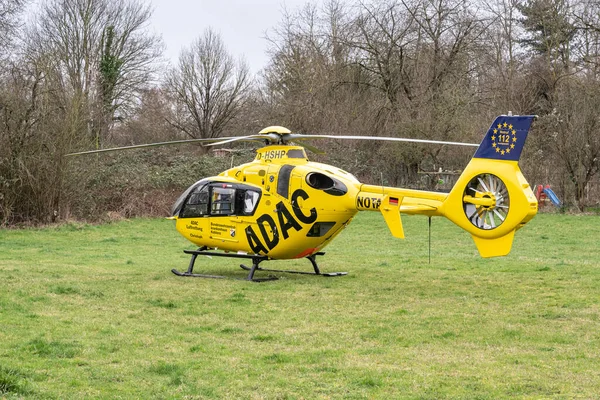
(242,24)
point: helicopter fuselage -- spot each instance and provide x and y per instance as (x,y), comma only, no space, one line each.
(280,205)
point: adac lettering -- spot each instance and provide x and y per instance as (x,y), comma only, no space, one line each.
(273,229)
(368,202)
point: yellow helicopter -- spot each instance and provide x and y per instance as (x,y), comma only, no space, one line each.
(283,206)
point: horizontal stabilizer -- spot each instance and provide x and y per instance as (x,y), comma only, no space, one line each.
(418,209)
(494,247)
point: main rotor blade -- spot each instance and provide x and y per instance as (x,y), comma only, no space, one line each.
(296,137)
(140,146)
(262,137)
(268,137)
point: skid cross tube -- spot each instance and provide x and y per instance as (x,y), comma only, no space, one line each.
(202,252)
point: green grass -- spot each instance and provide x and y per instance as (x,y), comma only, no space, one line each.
(94,312)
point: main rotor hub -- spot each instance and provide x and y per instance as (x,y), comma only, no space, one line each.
(280,130)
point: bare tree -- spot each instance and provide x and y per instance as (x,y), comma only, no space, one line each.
(104,49)
(38,127)
(9,22)
(587,19)
(499,64)
(383,40)
(149,123)
(80,65)
(573,134)
(208,87)
(380,68)
(304,48)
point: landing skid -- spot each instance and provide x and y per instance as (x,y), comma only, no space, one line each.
(256,260)
(311,258)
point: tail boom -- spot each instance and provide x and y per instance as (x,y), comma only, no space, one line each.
(424,202)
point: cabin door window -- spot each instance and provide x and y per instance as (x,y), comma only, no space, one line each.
(222,201)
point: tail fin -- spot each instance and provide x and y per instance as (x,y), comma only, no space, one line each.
(491,198)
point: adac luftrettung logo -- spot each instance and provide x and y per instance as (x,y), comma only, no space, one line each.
(504,138)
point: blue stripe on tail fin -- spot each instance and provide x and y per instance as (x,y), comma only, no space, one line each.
(505,138)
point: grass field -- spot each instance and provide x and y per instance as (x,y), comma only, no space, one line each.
(94,312)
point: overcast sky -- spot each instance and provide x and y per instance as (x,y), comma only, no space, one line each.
(242,24)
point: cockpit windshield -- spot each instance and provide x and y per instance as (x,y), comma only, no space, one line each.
(180,200)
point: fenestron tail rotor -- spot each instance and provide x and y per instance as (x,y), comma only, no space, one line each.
(486,201)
